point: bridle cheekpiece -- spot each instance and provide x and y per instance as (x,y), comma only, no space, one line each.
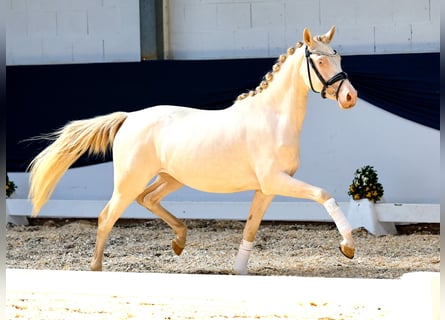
(341,76)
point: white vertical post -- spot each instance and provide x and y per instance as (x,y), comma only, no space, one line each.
(361,213)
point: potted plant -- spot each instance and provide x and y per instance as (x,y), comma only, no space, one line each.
(365,190)
(10,187)
(365,185)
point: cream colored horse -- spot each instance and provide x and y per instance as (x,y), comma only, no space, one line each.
(252,145)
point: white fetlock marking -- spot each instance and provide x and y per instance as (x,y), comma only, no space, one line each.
(242,257)
(339,218)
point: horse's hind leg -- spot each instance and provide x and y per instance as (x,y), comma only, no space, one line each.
(107,218)
(126,189)
(151,197)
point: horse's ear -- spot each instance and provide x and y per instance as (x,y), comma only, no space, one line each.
(307,38)
(329,35)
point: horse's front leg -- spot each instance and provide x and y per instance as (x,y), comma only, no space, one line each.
(258,207)
(285,185)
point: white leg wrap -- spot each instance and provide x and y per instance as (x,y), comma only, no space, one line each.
(339,218)
(242,257)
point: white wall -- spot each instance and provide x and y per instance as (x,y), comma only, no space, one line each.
(67,31)
(265,28)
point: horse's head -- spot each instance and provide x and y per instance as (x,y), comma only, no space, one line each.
(322,70)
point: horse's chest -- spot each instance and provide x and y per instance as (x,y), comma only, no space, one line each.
(284,148)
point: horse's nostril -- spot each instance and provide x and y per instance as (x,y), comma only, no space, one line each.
(348,97)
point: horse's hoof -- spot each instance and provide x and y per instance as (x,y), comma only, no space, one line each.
(240,271)
(96,268)
(348,252)
(176,248)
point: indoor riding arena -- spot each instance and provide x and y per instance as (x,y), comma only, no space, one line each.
(211,159)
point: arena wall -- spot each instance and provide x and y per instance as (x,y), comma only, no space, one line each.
(48,31)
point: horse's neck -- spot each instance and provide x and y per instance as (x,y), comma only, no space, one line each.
(287,92)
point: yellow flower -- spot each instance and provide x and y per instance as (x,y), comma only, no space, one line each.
(356,197)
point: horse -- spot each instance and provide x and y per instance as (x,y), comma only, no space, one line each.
(251,145)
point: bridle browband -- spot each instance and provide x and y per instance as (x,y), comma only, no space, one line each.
(341,76)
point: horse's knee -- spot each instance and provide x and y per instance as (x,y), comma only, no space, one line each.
(322,195)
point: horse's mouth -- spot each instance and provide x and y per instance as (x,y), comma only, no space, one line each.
(347,97)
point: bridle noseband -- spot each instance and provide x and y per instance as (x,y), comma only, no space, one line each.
(341,76)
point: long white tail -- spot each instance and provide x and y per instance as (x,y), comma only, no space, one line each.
(93,135)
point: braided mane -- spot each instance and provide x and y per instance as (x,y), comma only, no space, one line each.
(270,75)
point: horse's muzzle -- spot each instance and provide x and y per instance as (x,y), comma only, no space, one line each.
(347,95)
